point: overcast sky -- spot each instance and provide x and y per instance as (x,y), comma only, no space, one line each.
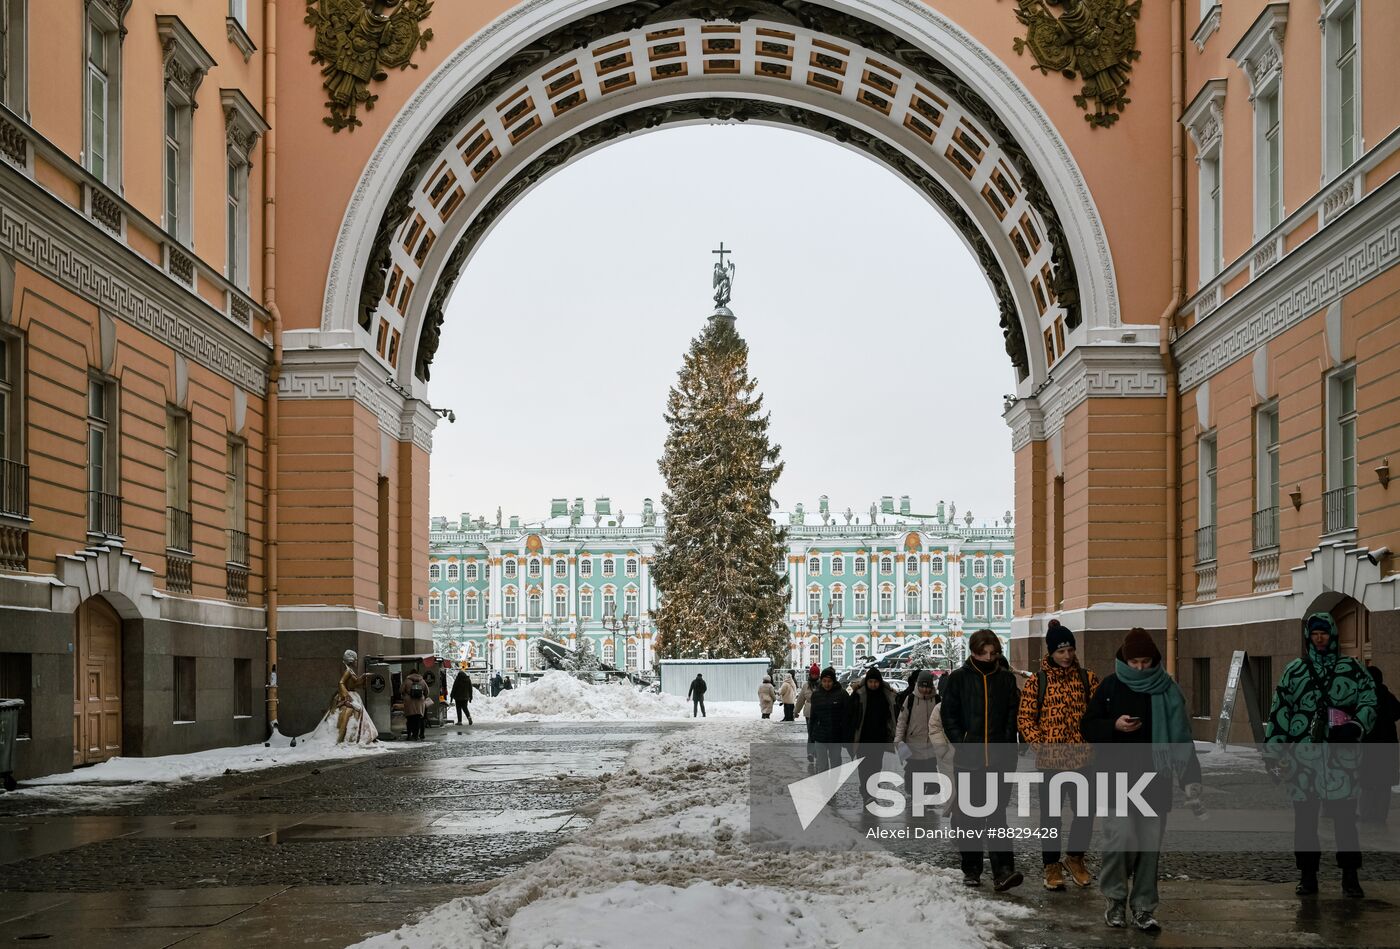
(871,331)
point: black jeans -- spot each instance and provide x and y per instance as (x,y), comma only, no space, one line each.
(788,709)
(1306,847)
(1080,829)
(984,832)
(415,727)
(828,754)
(697,706)
(464,708)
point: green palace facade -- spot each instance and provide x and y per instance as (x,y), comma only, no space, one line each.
(860,583)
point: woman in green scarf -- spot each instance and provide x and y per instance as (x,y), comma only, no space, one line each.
(1138,716)
(1324,704)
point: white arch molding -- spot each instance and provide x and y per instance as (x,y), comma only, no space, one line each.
(1044,149)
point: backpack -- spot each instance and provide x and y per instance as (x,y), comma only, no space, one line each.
(1042,682)
(418,691)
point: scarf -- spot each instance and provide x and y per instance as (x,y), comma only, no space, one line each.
(1171,730)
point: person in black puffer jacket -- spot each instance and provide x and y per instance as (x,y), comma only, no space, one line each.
(871,715)
(979,717)
(825,712)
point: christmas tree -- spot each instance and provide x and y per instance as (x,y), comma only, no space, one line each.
(720,569)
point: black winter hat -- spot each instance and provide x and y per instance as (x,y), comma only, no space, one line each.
(829,671)
(874,673)
(1057,635)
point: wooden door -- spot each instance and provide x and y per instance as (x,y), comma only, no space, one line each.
(97,684)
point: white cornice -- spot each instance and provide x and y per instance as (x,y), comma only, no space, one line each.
(309,374)
(1209,25)
(1114,370)
(1259,54)
(1203,118)
(1357,246)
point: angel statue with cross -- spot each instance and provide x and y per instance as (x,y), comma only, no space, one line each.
(724,277)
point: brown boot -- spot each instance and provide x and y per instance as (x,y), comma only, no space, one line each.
(1078,872)
(1054,876)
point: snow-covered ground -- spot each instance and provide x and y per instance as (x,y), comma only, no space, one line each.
(682,874)
(122,780)
(559,697)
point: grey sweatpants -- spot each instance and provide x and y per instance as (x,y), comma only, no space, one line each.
(1131,848)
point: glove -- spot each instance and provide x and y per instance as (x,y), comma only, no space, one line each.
(1193,800)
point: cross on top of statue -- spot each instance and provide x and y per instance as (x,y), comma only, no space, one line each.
(723,282)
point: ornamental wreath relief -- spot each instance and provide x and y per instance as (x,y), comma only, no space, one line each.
(1093,40)
(357,41)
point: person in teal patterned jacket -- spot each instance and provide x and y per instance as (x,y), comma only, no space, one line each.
(1325,702)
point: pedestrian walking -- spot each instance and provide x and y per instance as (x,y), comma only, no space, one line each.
(766,697)
(979,719)
(495,685)
(915,737)
(825,712)
(871,716)
(415,703)
(462,690)
(802,698)
(787,695)
(814,672)
(506,684)
(1052,709)
(1380,758)
(1323,699)
(696,694)
(1139,715)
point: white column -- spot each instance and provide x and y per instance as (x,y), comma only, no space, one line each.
(954,562)
(924,587)
(573,586)
(495,560)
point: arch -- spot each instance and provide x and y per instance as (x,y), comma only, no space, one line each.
(124,582)
(926,100)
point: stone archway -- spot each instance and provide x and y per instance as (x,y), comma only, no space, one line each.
(537,89)
(97,683)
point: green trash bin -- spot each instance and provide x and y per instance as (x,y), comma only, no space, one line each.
(9,731)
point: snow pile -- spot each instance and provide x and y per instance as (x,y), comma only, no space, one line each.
(558,696)
(667,861)
(122,780)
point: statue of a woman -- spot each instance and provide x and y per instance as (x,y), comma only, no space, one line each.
(351,723)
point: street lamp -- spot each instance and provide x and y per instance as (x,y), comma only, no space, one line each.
(831,621)
(626,626)
(493,628)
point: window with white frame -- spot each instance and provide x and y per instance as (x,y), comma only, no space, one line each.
(510,654)
(508,605)
(13,55)
(102,138)
(585,566)
(979,602)
(102,457)
(238,10)
(472,572)
(561,567)
(434,571)
(911,601)
(859,602)
(999,603)
(177,168)
(561,602)
(962,601)
(533,603)
(860,566)
(836,605)
(814,566)
(814,602)
(1339,507)
(1205,532)
(886,602)
(534,567)
(510,569)
(887,565)
(630,568)
(911,565)
(631,654)
(1204,120)
(814,652)
(838,564)
(434,607)
(1266,476)
(186,63)
(609,651)
(935,601)
(629,602)
(935,565)
(964,566)
(1268,194)
(609,567)
(1342,85)
(979,567)
(585,604)
(473,609)
(454,607)
(999,567)
(452,571)
(609,602)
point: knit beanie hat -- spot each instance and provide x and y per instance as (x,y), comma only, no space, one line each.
(1057,635)
(829,671)
(1138,644)
(874,673)
(925,678)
